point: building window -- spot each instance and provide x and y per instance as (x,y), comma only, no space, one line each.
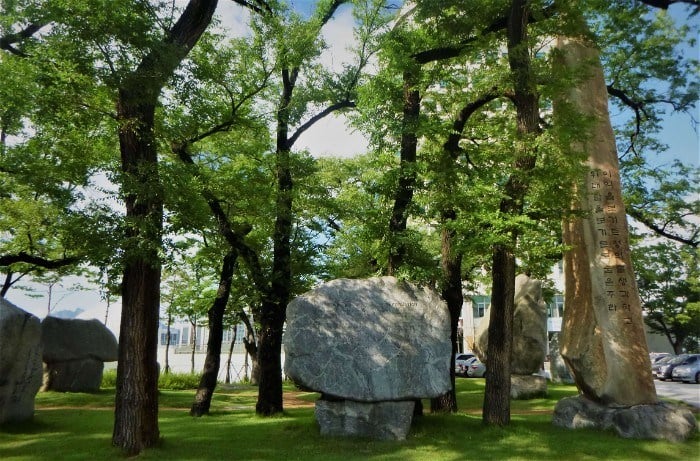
(555,308)
(480,304)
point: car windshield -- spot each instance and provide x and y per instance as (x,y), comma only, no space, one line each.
(679,359)
(666,359)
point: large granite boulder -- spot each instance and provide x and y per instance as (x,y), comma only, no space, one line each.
(529,328)
(20,362)
(658,421)
(74,353)
(372,340)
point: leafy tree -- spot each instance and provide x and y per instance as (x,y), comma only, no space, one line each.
(670,292)
(132,52)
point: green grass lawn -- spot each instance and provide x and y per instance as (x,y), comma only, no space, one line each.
(79,427)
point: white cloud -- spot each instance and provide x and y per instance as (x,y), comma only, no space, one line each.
(332,137)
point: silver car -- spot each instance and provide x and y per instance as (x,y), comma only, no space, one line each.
(689,370)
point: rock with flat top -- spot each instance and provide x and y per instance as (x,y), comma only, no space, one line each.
(371,347)
(74,353)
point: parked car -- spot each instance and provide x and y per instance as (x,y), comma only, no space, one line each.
(689,370)
(476,369)
(462,362)
(666,369)
(659,363)
(656,356)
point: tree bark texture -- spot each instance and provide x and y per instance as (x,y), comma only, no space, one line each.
(136,400)
(273,309)
(407,172)
(207,382)
(452,294)
(496,409)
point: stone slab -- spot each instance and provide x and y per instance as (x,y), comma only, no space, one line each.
(658,421)
(379,421)
(525,387)
(73,376)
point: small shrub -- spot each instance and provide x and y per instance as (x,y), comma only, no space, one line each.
(109,379)
(178,381)
(171,381)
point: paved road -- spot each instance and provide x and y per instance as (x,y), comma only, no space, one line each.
(689,393)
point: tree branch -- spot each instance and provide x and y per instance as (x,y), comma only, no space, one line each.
(234,235)
(664,4)
(661,230)
(257,6)
(8,40)
(452,144)
(325,112)
(24,257)
(447,52)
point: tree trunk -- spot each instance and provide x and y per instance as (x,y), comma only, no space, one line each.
(497,394)
(274,306)
(207,382)
(452,294)
(193,336)
(250,343)
(136,399)
(270,363)
(230,355)
(168,338)
(407,175)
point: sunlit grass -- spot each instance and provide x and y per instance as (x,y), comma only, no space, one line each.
(79,427)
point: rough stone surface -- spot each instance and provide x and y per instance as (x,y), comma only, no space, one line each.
(74,352)
(558,370)
(381,421)
(77,339)
(658,421)
(523,387)
(369,340)
(529,328)
(603,336)
(73,376)
(20,362)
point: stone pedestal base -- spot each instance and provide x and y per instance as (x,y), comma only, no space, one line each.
(73,376)
(379,420)
(658,421)
(524,387)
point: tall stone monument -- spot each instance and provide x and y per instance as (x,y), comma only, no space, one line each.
(603,335)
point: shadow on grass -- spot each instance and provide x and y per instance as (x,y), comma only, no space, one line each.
(85,433)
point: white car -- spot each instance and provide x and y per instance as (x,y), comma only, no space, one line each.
(462,361)
(476,369)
